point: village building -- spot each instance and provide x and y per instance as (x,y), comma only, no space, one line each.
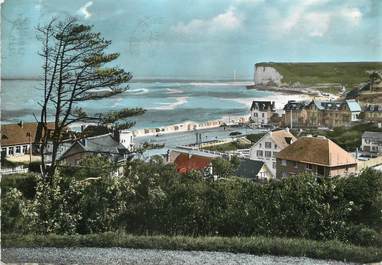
(372,144)
(253,170)
(321,113)
(316,155)
(269,145)
(20,139)
(372,113)
(101,145)
(261,112)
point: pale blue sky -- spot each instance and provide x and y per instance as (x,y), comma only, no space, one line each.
(205,39)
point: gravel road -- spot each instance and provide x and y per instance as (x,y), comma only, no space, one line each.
(101,256)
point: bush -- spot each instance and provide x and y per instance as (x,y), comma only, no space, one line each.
(25,183)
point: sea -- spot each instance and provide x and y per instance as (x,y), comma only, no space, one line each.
(165,103)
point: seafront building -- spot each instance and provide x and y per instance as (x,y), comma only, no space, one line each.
(261,112)
(316,113)
(372,113)
(315,155)
(267,148)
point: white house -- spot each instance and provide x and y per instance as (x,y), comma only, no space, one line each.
(269,145)
(262,111)
(372,143)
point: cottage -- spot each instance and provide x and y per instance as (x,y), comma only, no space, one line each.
(20,139)
(269,145)
(254,170)
(262,111)
(317,155)
(372,143)
(103,145)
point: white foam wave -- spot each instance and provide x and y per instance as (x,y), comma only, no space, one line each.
(221,83)
(138,91)
(170,106)
(173,91)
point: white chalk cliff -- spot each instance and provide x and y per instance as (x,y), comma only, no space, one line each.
(267,76)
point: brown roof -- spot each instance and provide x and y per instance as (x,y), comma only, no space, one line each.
(185,163)
(282,137)
(15,134)
(316,150)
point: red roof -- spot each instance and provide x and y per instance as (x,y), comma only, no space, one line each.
(185,163)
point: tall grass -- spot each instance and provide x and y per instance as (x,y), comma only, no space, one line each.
(252,245)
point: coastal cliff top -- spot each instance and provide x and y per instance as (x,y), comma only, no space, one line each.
(349,74)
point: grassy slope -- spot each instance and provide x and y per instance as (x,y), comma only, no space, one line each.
(253,245)
(349,74)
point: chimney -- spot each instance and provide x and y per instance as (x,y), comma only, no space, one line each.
(288,140)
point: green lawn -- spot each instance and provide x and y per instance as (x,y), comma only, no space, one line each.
(349,74)
(256,245)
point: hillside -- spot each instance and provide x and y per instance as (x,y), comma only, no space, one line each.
(349,74)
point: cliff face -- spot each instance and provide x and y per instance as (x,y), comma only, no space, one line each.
(267,76)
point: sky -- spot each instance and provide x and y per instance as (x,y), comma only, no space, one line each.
(201,39)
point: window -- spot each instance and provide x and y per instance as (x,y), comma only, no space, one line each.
(11,150)
(268,145)
(255,114)
(25,149)
(260,145)
(295,164)
(274,165)
(321,170)
(18,149)
(283,162)
(268,153)
(259,153)
(4,150)
(274,154)
(309,167)
(275,146)
(262,115)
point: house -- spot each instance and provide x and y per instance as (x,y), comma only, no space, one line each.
(262,111)
(295,114)
(254,170)
(321,113)
(372,113)
(372,143)
(317,155)
(20,139)
(269,145)
(102,145)
(187,159)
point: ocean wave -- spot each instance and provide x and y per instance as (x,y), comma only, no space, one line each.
(174,91)
(221,83)
(170,106)
(138,91)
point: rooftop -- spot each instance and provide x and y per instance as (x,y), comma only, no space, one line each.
(283,138)
(263,105)
(316,150)
(373,135)
(249,168)
(21,133)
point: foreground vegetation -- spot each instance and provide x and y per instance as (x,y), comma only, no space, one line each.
(153,199)
(347,73)
(257,245)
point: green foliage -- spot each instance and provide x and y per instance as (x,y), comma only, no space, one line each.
(255,137)
(224,168)
(231,146)
(152,198)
